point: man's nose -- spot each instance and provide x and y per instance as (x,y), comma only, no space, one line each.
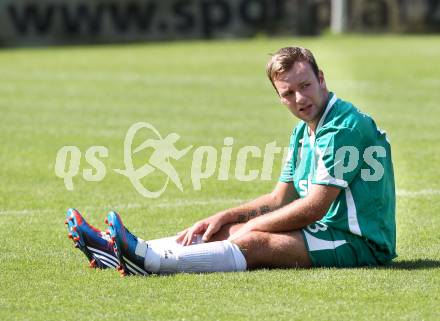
(299,97)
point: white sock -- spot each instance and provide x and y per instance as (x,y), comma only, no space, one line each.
(222,256)
(158,248)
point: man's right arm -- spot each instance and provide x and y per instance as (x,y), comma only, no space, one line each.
(283,194)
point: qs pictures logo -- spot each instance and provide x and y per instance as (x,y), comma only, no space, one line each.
(162,154)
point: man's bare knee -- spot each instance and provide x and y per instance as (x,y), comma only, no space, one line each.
(225,231)
(250,244)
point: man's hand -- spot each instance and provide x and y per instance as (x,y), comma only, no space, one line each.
(206,227)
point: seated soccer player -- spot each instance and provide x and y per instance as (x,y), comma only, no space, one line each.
(334,204)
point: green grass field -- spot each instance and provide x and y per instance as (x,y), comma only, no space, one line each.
(204,91)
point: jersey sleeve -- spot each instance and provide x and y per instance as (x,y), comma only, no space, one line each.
(337,156)
(286,175)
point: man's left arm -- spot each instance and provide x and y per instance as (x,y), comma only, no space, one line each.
(295,215)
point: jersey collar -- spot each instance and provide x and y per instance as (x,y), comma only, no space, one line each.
(329,106)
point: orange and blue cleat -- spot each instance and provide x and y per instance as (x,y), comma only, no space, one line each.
(127,247)
(96,245)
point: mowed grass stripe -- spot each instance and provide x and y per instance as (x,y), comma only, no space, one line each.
(184,203)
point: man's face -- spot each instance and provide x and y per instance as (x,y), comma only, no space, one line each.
(302,92)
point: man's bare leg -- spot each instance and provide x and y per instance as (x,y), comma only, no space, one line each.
(274,250)
(271,250)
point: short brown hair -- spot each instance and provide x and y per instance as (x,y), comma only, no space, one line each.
(285,58)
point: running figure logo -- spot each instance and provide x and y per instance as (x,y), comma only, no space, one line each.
(163,150)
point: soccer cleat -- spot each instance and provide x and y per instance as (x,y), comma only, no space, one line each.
(125,245)
(91,241)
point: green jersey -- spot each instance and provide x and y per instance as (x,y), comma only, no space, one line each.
(348,151)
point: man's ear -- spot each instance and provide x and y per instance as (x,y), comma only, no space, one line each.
(321,79)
